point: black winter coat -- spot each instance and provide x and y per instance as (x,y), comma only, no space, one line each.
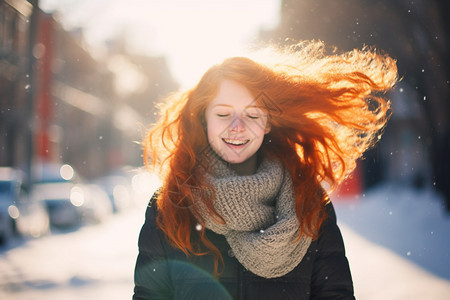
(163,272)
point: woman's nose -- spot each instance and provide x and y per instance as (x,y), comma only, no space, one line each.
(237,125)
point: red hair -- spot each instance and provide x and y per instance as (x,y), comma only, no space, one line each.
(324,112)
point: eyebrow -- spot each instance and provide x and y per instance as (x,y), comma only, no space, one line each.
(226,105)
(249,106)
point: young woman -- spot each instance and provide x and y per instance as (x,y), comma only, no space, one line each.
(245,156)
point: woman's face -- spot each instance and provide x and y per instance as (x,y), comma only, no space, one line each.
(235,123)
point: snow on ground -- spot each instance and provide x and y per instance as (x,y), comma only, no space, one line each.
(97,261)
(94,262)
(379,273)
(413,223)
(397,242)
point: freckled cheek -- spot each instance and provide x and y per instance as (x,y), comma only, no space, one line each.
(217,128)
(214,132)
(257,128)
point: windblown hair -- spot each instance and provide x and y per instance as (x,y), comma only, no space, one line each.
(324,109)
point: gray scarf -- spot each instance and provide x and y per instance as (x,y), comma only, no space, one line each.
(259,210)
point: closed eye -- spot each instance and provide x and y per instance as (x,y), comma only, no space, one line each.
(253,113)
(222,115)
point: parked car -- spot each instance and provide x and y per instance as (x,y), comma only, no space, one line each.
(19,213)
(61,203)
(70,201)
(53,185)
(54,172)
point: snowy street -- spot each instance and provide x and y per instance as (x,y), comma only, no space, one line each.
(97,262)
(379,273)
(94,262)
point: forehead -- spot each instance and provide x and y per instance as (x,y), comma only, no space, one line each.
(232,93)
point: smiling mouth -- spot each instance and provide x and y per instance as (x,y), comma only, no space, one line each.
(235,142)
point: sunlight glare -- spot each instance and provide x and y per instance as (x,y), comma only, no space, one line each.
(77,196)
(66,172)
(193,35)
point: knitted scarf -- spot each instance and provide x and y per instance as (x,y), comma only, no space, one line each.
(259,210)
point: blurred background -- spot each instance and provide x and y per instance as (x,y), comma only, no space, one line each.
(79,81)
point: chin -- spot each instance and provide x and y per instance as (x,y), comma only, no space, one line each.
(230,158)
(236,161)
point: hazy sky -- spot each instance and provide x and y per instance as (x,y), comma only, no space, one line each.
(192,34)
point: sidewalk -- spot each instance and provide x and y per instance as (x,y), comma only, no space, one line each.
(379,273)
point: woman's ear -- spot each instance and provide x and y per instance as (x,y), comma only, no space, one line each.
(268,128)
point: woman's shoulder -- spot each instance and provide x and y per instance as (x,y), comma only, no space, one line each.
(152,208)
(331,213)
(150,232)
(330,238)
